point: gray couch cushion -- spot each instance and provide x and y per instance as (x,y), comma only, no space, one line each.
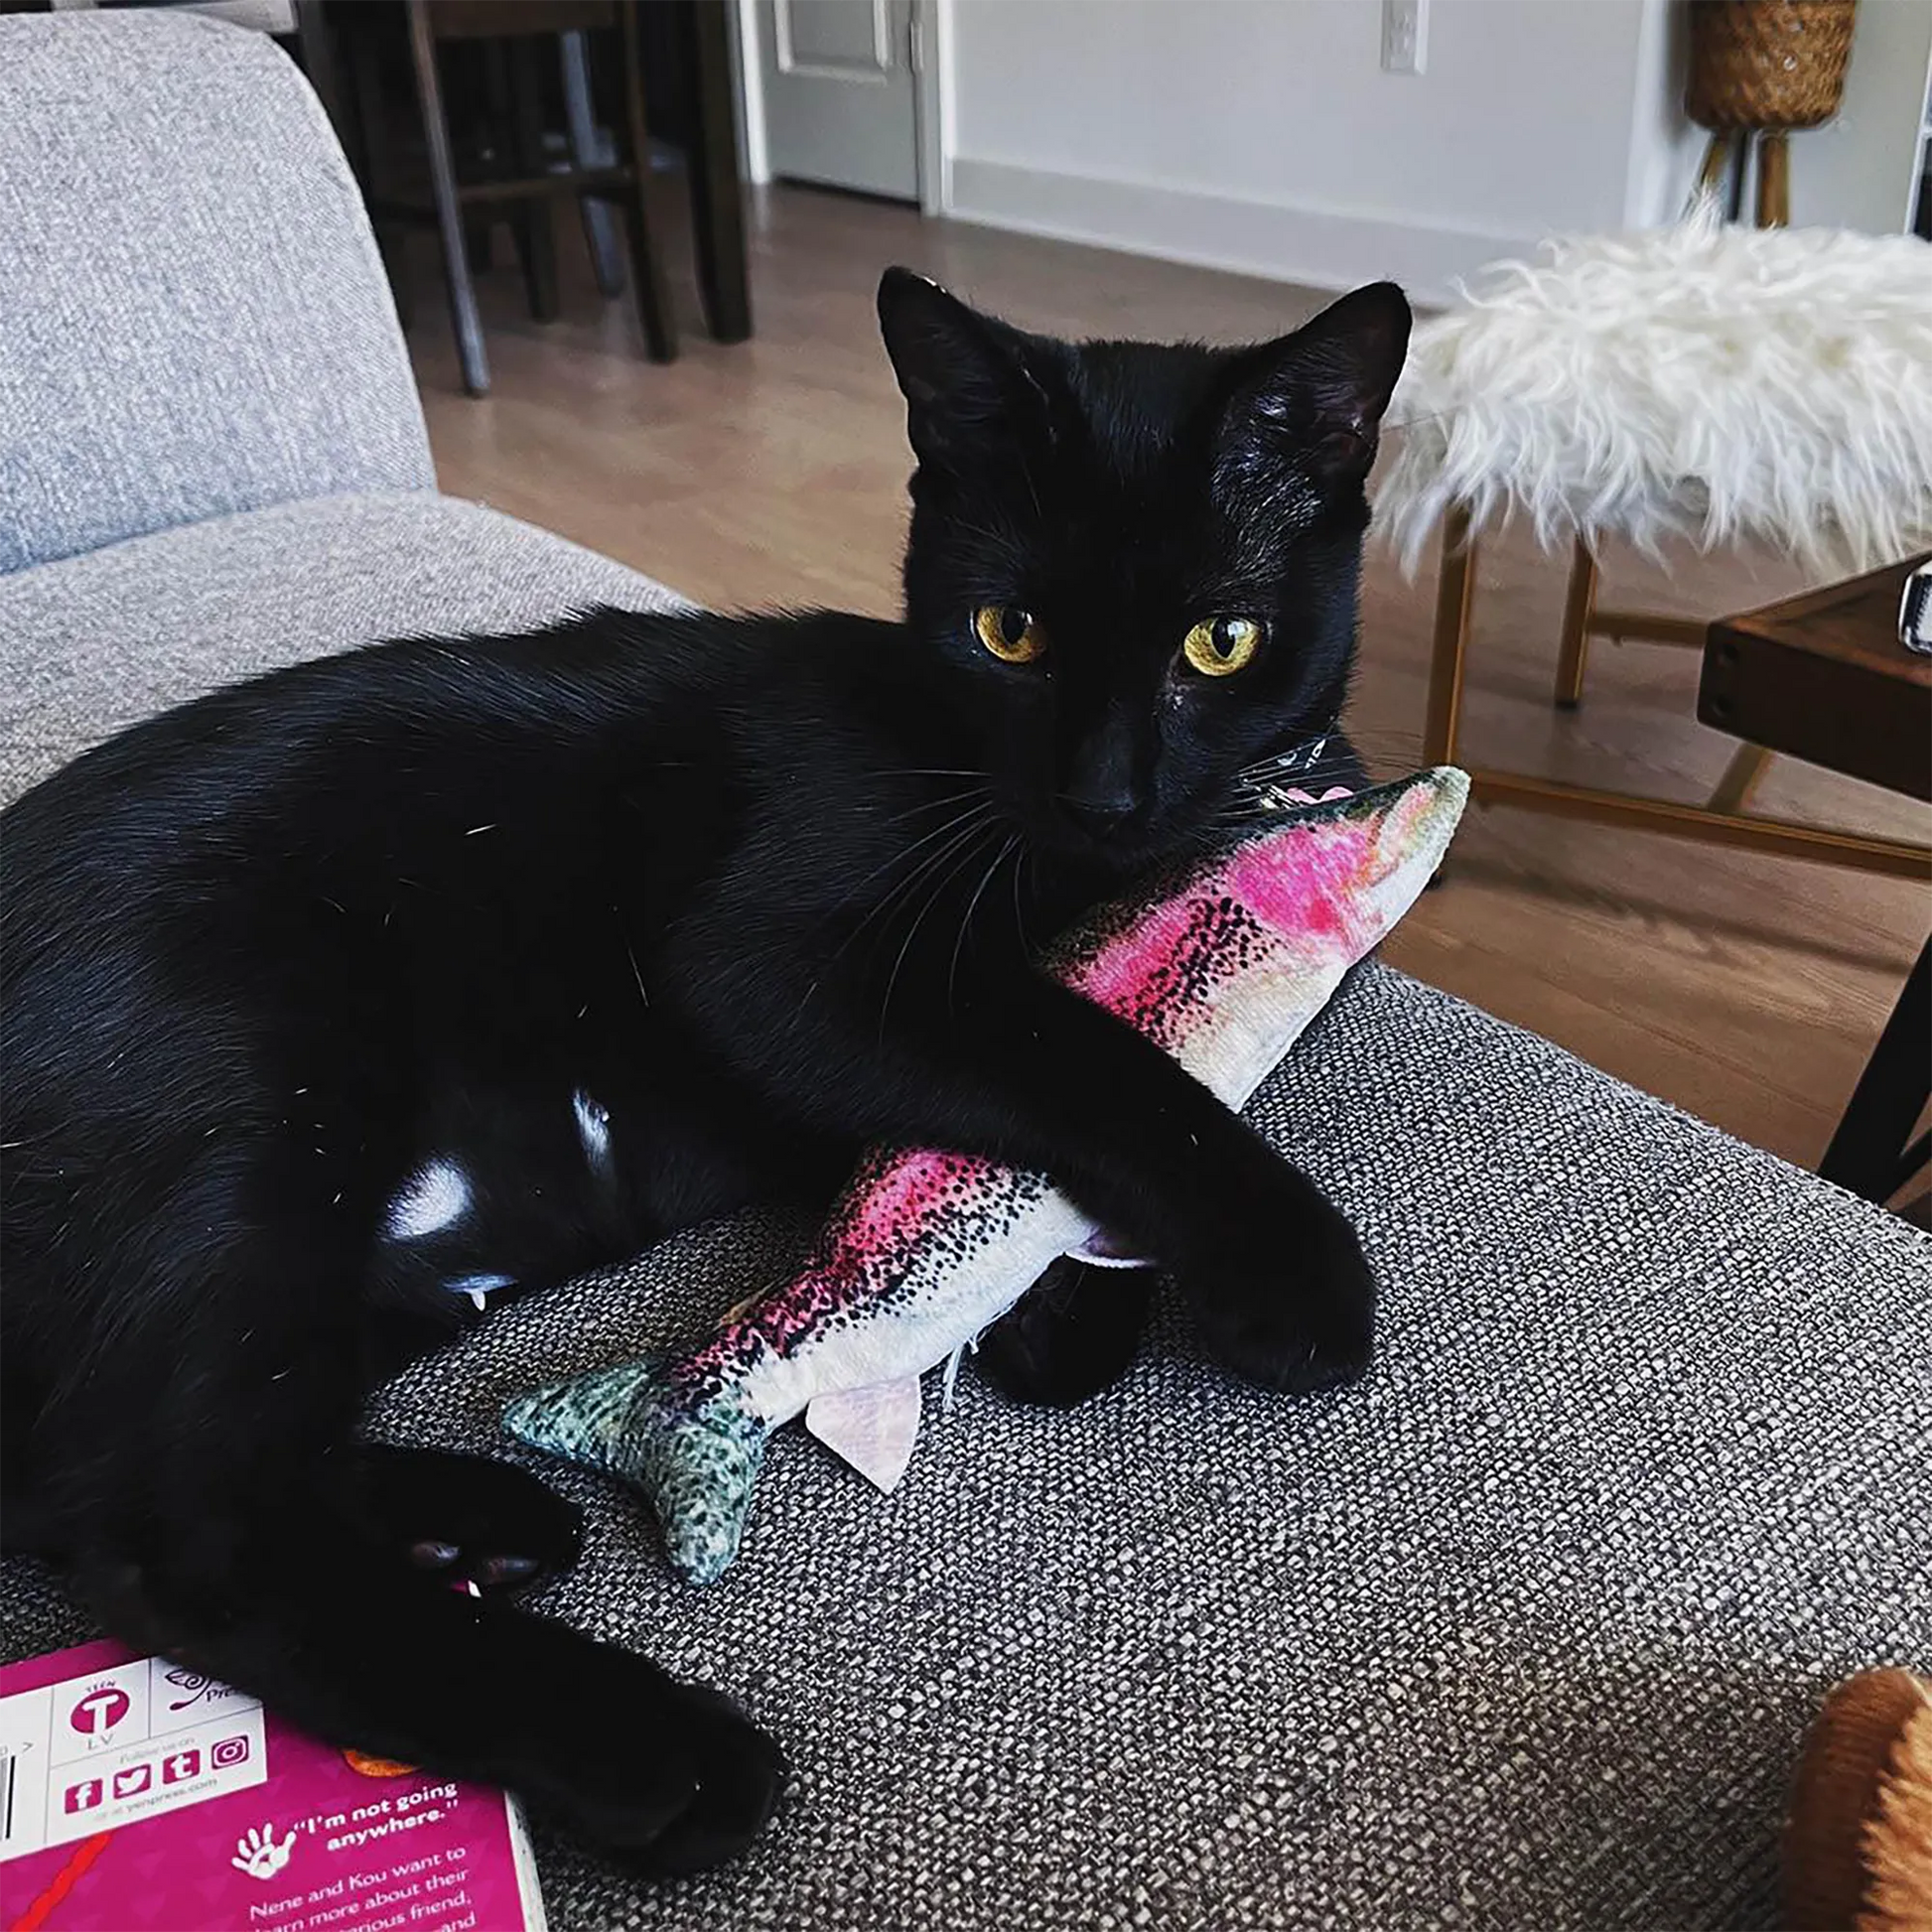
(195,321)
(1521,1633)
(96,643)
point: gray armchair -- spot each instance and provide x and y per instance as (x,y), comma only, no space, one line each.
(1521,1633)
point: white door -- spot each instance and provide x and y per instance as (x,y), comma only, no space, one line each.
(840,97)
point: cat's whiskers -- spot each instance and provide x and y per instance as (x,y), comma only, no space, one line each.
(972,904)
(903,891)
(933,804)
(1019,913)
(925,838)
(963,825)
(962,857)
(963,828)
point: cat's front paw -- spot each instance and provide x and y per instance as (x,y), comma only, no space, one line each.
(1071,1335)
(1296,1312)
(695,1796)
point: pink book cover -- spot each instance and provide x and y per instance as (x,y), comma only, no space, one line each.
(137,1796)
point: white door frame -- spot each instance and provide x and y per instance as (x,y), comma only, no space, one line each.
(931,87)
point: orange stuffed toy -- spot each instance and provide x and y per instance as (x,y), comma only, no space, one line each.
(1858,1850)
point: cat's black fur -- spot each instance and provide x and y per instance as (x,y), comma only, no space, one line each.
(630,922)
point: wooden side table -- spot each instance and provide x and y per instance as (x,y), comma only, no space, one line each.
(1824,677)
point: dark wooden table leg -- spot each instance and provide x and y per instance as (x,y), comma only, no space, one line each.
(1867,1153)
(716,180)
(322,62)
(315,43)
(647,267)
(536,236)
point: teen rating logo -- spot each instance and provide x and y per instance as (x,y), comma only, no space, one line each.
(98,1709)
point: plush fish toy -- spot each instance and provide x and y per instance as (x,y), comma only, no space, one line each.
(1223,964)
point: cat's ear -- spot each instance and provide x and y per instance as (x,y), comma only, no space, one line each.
(1313,401)
(964,375)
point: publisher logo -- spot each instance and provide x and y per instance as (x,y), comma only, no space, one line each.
(99,1710)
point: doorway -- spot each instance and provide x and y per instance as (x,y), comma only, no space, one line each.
(843,93)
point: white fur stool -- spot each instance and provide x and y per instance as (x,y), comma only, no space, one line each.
(1727,385)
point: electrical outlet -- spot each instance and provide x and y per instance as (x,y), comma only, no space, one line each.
(1405,36)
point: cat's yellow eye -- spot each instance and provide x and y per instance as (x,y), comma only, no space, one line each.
(1012,635)
(1221,646)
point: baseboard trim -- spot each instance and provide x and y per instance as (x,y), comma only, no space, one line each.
(1325,249)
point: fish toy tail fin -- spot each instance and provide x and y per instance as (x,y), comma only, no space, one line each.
(694,1456)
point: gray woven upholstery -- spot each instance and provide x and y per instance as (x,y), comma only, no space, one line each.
(96,642)
(1522,1632)
(193,318)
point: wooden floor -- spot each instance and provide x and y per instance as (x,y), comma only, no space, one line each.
(1747,990)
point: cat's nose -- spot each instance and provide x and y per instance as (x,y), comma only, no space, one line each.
(1101,812)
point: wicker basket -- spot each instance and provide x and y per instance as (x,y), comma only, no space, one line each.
(1767,64)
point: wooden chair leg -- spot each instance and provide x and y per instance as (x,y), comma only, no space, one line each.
(392,244)
(647,270)
(1773,181)
(537,238)
(479,244)
(449,208)
(1455,597)
(1734,788)
(1717,164)
(375,161)
(599,224)
(1579,604)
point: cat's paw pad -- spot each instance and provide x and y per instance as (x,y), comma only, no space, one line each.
(489,1523)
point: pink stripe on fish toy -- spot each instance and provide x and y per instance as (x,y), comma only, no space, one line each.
(1222,963)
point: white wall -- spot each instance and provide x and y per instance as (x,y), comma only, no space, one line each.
(1666,145)
(1263,134)
(1860,170)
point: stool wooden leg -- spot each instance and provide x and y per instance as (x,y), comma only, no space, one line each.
(1773,181)
(1455,595)
(1577,608)
(1741,168)
(647,270)
(1739,780)
(449,208)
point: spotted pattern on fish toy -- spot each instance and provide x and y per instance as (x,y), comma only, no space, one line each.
(895,1201)
(1222,963)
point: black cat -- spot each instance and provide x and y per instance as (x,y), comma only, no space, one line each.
(339,1003)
